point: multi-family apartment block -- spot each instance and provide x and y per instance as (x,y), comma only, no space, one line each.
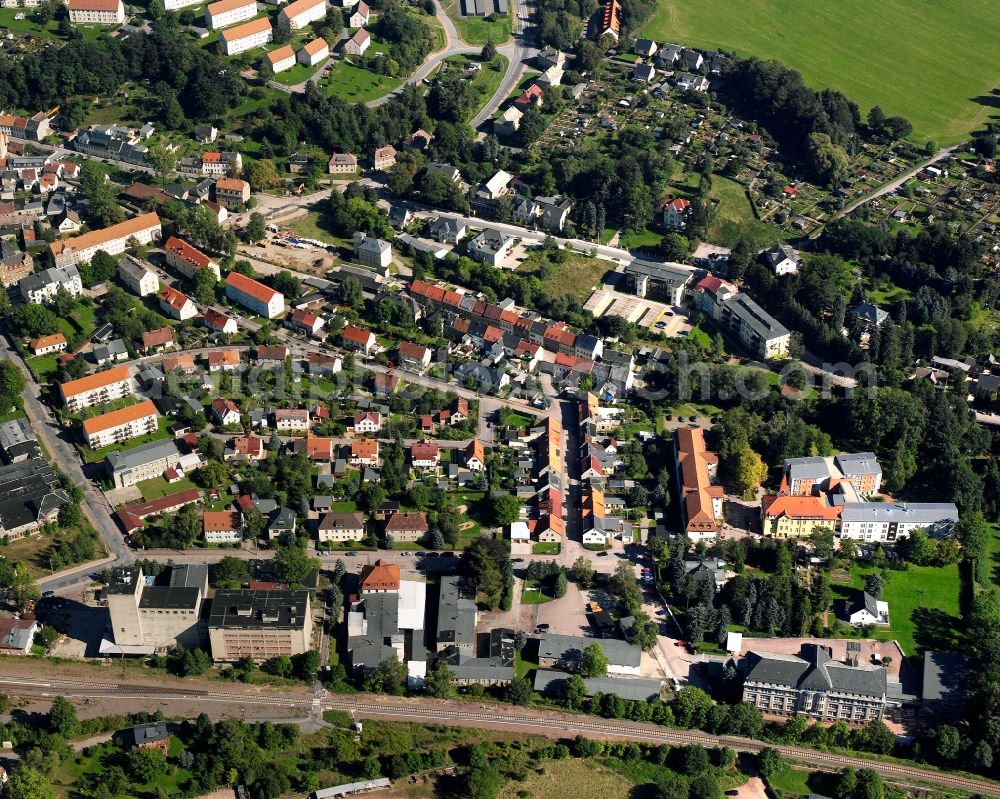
(229,12)
(234,192)
(137,277)
(890,521)
(97,388)
(177,305)
(302,12)
(255,33)
(187,259)
(121,425)
(96,12)
(254,296)
(42,287)
(144,228)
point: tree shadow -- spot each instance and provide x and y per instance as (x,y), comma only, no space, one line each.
(991,100)
(934,629)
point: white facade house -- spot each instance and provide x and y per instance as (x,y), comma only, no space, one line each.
(96,12)
(313,53)
(370,251)
(255,33)
(358,43)
(303,12)
(783,259)
(177,305)
(144,228)
(262,300)
(96,388)
(42,287)
(367,422)
(137,277)
(291,420)
(120,425)
(281,59)
(886,521)
(229,12)
(175,5)
(491,247)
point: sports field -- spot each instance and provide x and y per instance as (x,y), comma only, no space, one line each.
(932,61)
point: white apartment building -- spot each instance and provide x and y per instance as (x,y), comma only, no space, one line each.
(144,228)
(137,277)
(187,259)
(96,388)
(302,12)
(280,60)
(96,12)
(121,425)
(254,296)
(291,420)
(229,12)
(42,287)
(175,5)
(887,522)
(313,53)
(255,33)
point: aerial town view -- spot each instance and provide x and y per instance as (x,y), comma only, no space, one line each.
(499,399)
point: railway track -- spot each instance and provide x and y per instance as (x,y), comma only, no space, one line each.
(492,717)
(635,731)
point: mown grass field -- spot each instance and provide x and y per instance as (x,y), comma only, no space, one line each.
(923,606)
(927,60)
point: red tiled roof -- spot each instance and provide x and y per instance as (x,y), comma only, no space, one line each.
(159,337)
(381,576)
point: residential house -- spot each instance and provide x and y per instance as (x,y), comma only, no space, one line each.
(96,12)
(475,456)
(176,304)
(644,73)
(229,12)
(225,412)
(885,522)
(694,466)
(305,322)
(291,420)
(255,33)
(234,192)
(866,609)
(41,288)
(508,122)
(137,277)
(96,389)
(44,345)
(491,247)
(359,16)
(342,164)
(15,264)
(425,454)
(675,213)
(279,60)
(227,360)
(783,259)
(341,527)
(220,323)
(362,341)
(869,314)
(413,357)
(303,12)
(531,97)
(371,251)
(113,351)
(144,228)
(384,157)
(611,19)
(187,259)
(367,422)
(255,296)
(645,48)
(448,231)
(364,452)
(120,425)
(313,53)
(408,527)
(222,527)
(786,516)
(566,652)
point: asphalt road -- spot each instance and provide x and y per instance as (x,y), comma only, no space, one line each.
(41,679)
(53,438)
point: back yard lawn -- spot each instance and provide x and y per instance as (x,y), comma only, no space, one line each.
(158,487)
(577,275)
(923,606)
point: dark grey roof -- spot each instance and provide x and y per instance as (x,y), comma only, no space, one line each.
(569,648)
(815,670)
(456,613)
(191,575)
(639,689)
(864,601)
(143,454)
(167,597)
(28,489)
(17,438)
(851,463)
(259,609)
(149,733)
(945,675)
(380,614)
(755,317)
